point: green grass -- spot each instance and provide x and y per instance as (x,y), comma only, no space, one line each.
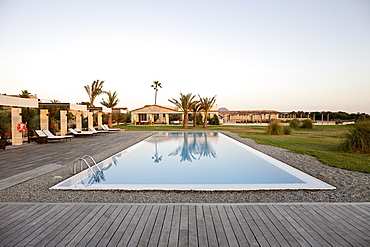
(321,142)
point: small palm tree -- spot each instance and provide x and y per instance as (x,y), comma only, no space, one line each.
(155,85)
(94,91)
(25,94)
(111,102)
(195,108)
(185,104)
(206,105)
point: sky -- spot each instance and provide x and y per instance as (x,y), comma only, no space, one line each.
(284,55)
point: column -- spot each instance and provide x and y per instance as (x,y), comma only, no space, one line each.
(78,120)
(44,119)
(100,119)
(167,119)
(63,122)
(16,118)
(90,119)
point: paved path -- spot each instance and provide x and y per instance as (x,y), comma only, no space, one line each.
(32,224)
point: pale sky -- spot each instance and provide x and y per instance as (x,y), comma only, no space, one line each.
(260,55)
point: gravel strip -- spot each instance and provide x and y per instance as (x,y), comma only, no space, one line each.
(351,186)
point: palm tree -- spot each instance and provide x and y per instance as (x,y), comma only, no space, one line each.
(195,108)
(184,104)
(94,91)
(111,102)
(206,105)
(25,94)
(155,85)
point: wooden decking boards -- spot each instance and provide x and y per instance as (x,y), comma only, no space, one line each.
(112,224)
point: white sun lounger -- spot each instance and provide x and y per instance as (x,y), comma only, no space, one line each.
(75,133)
(92,129)
(105,127)
(50,136)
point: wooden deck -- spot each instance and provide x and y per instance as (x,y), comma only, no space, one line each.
(291,224)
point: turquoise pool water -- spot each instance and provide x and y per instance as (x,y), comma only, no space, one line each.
(192,161)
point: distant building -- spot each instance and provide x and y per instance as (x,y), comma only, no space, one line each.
(248,116)
(120,110)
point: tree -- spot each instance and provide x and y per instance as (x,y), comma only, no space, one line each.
(94,91)
(195,108)
(25,94)
(184,103)
(206,105)
(111,102)
(155,85)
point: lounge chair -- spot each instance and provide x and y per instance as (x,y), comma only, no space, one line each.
(83,131)
(77,134)
(92,129)
(50,136)
(105,127)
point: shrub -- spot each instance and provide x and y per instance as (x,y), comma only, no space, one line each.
(287,130)
(357,139)
(307,124)
(294,124)
(275,128)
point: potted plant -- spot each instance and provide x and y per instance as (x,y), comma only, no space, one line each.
(4,139)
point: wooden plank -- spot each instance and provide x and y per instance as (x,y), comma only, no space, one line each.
(166,228)
(279,226)
(326,225)
(270,226)
(261,225)
(356,225)
(50,225)
(245,227)
(235,225)
(37,230)
(297,237)
(139,227)
(10,212)
(316,225)
(76,225)
(201,226)
(364,208)
(114,230)
(86,225)
(157,229)
(131,226)
(18,227)
(292,220)
(308,225)
(149,226)
(122,227)
(229,232)
(193,233)
(175,226)
(184,226)
(342,229)
(220,232)
(18,217)
(211,231)
(359,216)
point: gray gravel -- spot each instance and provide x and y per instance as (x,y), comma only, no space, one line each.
(351,186)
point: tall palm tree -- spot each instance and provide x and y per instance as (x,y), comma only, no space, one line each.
(94,91)
(195,108)
(111,102)
(206,105)
(184,103)
(155,85)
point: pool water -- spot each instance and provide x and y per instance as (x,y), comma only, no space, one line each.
(192,161)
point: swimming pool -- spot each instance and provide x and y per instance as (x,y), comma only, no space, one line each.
(191,161)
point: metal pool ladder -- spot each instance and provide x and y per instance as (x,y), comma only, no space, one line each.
(83,160)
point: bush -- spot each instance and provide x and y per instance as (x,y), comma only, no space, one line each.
(275,128)
(294,124)
(214,120)
(287,130)
(307,124)
(358,138)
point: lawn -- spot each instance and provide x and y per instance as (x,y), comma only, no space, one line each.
(321,142)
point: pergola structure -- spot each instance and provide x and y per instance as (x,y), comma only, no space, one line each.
(16,105)
(244,116)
